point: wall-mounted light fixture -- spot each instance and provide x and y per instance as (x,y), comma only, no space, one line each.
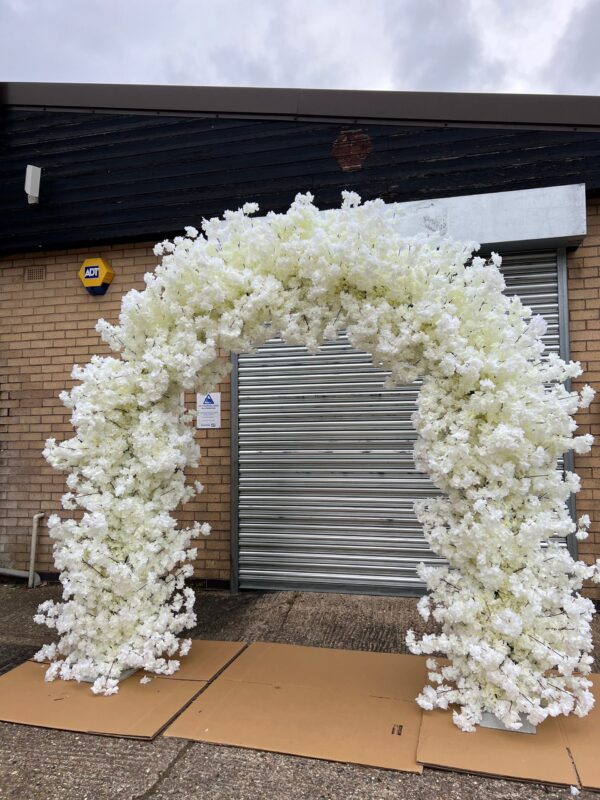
(32,183)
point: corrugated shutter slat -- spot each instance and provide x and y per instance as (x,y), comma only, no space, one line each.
(326,472)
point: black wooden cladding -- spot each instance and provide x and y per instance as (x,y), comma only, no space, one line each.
(125,177)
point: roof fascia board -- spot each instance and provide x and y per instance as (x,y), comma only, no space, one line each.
(446,108)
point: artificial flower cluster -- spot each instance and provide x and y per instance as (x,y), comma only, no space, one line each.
(494,417)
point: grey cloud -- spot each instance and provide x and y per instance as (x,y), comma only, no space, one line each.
(438,48)
(161,41)
(575,65)
(286,61)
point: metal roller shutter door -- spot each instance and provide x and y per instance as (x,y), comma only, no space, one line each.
(326,478)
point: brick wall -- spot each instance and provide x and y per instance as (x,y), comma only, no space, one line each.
(45,327)
(584,327)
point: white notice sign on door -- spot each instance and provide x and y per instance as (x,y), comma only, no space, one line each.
(209,410)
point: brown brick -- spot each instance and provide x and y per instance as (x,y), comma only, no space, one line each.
(584,264)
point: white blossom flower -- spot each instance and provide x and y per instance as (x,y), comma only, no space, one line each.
(493,419)
(185,647)
(587,395)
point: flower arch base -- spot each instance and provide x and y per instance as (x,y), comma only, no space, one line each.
(489,720)
(493,418)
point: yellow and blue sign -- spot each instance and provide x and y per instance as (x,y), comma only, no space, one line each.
(96,274)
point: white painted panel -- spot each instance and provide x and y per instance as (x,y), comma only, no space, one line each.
(555,215)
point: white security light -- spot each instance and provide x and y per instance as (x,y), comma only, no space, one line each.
(32,183)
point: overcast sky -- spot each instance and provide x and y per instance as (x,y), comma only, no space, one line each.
(548,46)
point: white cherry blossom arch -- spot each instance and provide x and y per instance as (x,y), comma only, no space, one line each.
(493,418)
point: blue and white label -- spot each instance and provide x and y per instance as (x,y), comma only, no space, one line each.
(91,272)
(209,410)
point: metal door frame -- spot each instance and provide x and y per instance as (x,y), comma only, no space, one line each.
(565,354)
(234,533)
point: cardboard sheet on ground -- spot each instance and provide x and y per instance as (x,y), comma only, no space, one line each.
(137,710)
(542,756)
(205,660)
(583,739)
(337,705)
(360,671)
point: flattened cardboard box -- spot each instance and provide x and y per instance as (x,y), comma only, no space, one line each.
(583,739)
(564,750)
(337,705)
(137,710)
(205,659)
(542,756)
(360,671)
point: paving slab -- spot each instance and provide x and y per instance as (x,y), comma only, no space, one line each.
(39,764)
(318,619)
(18,604)
(356,622)
(248,616)
(11,655)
